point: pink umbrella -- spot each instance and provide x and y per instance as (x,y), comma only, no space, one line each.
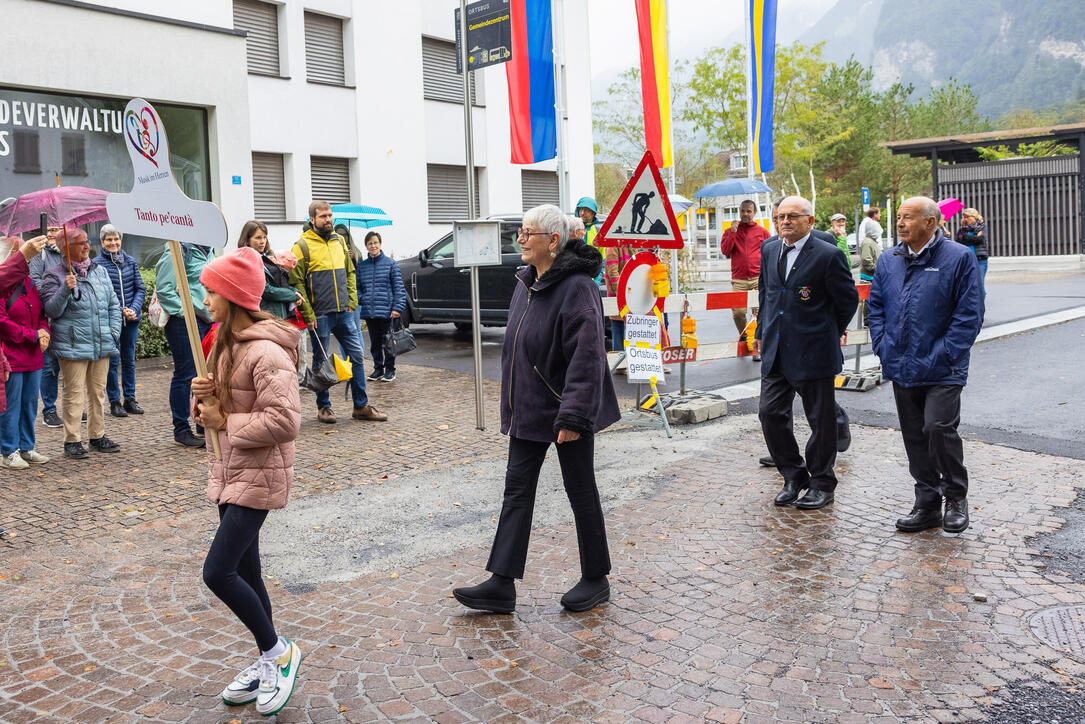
(949,207)
(76,205)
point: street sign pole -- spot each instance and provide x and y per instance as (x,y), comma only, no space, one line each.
(469,148)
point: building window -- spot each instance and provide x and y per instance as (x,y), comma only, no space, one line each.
(27,157)
(331,179)
(73,153)
(324,49)
(440,81)
(738,161)
(268,186)
(447,193)
(539,187)
(261,20)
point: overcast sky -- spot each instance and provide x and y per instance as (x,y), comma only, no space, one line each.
(695,25)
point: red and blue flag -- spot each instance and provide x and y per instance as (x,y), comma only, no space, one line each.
(530,73)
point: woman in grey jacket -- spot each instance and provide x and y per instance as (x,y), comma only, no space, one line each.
(86,321)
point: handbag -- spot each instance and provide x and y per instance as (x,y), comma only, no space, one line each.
(158,316)
(398,339)
(323,378)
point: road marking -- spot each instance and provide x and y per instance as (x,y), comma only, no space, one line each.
(752,388)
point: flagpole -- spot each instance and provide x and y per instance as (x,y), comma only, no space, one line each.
(749,90)
(670,131)
(557,12)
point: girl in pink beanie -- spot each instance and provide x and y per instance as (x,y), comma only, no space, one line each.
(250,400)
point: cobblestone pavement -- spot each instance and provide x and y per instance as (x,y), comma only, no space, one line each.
(724,607)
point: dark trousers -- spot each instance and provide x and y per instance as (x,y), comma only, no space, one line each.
(378,327)
(344,325)
(577,460)
(50,374)
(819,404)
(232,571)
(126,361)
(184,369)
(929,417)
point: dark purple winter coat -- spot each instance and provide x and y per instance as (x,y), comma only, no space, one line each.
(553,364)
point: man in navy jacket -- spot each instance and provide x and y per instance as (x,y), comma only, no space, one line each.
(807,297)
(926,309)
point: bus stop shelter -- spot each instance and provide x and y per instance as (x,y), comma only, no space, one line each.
(1032,206)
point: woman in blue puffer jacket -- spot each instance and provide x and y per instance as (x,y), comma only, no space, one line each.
(123,271)
(381,298)
(85,317)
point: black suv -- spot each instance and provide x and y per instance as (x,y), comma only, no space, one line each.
(437,291)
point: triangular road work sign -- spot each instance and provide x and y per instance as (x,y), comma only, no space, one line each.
(643,217)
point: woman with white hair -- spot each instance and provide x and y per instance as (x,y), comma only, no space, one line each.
(555,388)
(123,271)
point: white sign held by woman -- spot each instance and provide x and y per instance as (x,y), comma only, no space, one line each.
(156,206)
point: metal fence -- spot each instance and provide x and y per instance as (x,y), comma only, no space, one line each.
(1032,206)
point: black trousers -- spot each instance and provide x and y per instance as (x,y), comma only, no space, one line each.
(777,424)
(378,327)
(577,460)
(929,417)
(232,571)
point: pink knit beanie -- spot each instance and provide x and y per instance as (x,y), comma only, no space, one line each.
(238,276)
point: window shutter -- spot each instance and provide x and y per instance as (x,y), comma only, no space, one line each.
(447,193)
(331,179)
(261,20)
(440,82)
(539,187)
(268,186)
(324,49)
(27,157)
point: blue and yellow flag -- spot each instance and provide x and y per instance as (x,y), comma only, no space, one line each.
(762,14)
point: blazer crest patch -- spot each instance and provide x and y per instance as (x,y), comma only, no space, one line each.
(805,294)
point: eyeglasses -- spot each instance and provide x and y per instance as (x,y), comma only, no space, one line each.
(792,217)
(524,232)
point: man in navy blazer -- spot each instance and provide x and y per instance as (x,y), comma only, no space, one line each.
(807,297)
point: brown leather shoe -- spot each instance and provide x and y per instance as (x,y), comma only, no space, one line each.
(369,413)
(325,414)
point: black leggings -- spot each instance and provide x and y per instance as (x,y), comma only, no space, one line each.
(232,571)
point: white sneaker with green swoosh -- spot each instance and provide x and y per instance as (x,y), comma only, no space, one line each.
(277,681)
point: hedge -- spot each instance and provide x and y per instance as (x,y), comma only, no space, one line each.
(152,340)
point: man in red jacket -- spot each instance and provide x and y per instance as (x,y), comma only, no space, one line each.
(742,245)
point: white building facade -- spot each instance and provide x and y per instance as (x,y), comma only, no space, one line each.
(269,105)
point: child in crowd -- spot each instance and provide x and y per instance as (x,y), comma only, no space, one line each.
(250,401)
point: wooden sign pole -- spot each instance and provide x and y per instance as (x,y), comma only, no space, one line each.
(194,340)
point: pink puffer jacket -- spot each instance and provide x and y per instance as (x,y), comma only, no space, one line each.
(264,416)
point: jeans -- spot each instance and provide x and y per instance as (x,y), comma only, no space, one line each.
(929,417)
(17,424)
(126,360)
(184,369)
(232,571)
(577,459)
(617,335)
(983,276)
(49,375)
(344,325)
(378,327)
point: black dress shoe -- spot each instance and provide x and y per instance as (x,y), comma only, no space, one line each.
(498,594)
(116,409)
(843,442)
(187,439)
(814,499)
(956,518)
(132,407)
(756,358)
(104,445)
(767,461)
(920,519)
(587,594)
(789,494)
(75,450)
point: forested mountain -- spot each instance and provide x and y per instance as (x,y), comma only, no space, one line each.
(1014,53)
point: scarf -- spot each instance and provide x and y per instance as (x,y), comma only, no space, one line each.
(81,267)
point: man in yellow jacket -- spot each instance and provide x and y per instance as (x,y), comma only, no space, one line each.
(325,277)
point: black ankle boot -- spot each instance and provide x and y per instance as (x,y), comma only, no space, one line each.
(587,594)
(955,519)
(498,595)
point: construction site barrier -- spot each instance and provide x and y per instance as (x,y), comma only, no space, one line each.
(713,301)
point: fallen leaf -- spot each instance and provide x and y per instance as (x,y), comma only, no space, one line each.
(394,575)
(92,667)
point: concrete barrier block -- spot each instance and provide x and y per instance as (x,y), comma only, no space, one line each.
(693,407)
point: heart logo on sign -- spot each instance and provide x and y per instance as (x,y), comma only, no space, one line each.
(143,134)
